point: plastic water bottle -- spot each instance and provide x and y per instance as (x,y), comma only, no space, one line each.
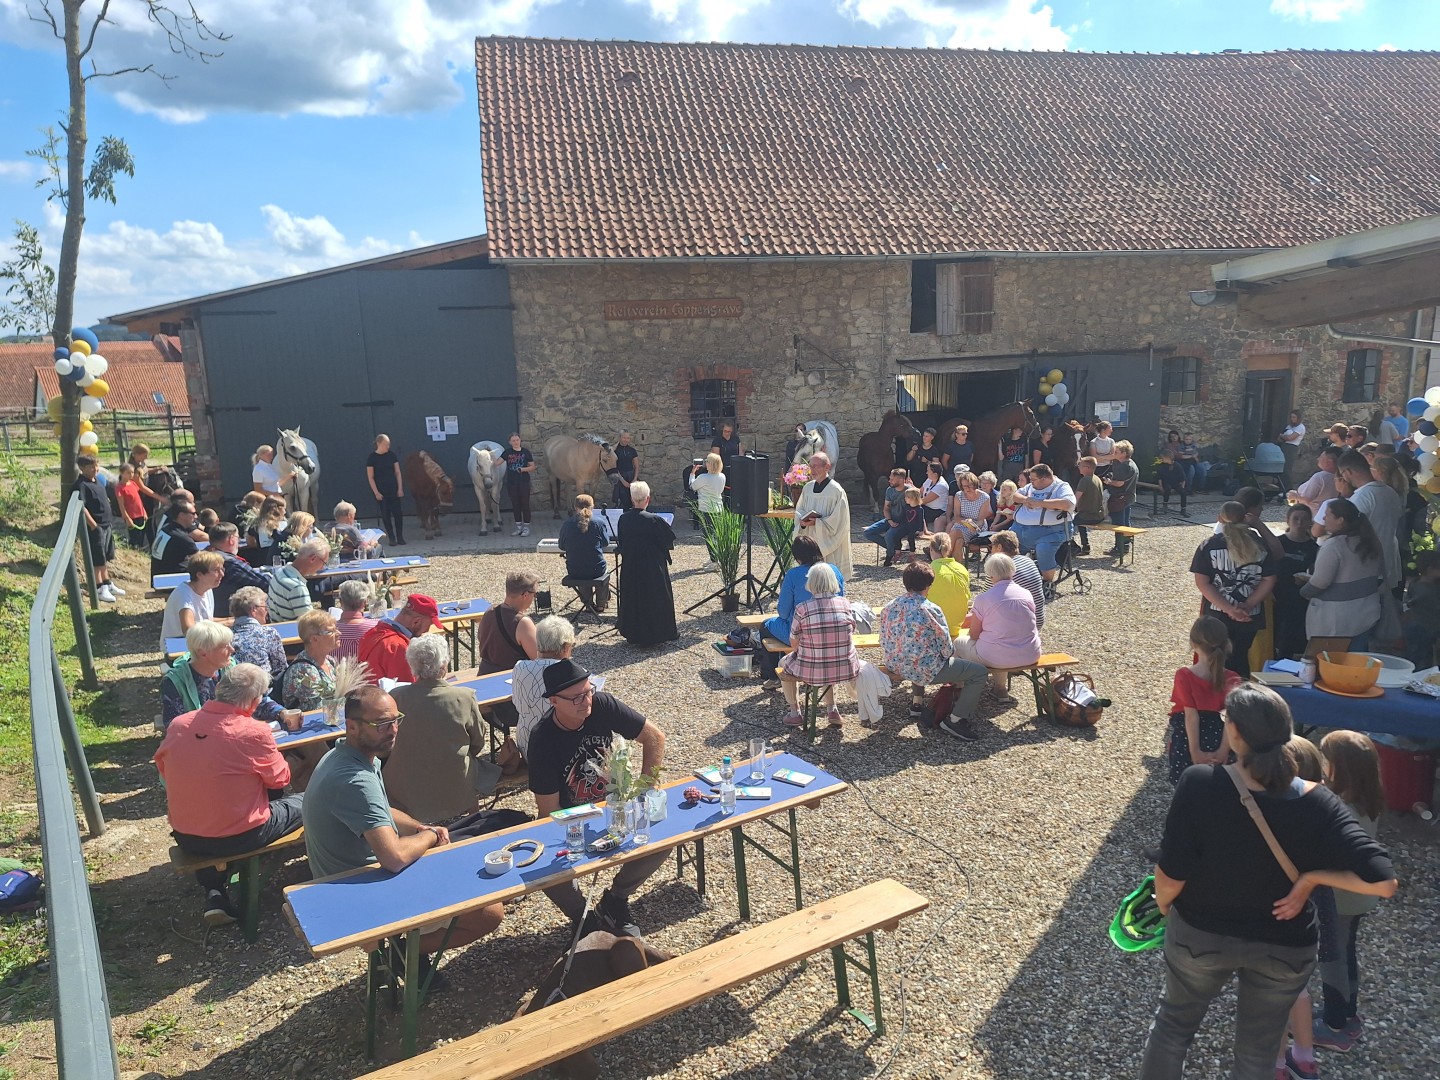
(575,841)
(727,787)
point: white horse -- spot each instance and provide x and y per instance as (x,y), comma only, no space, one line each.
(487,474)
(827,433)
(811,444)
(302,487)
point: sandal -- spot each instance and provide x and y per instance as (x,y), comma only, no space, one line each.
(833,717)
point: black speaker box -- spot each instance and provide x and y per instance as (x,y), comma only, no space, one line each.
(750,484)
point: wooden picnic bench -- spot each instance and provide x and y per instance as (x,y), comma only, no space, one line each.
(1041,676)
(185,862)
(1128,532)
(547,1035)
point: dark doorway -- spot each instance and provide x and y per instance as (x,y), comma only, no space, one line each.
(1267,406)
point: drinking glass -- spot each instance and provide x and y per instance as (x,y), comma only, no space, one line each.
(638,821)
(757,760)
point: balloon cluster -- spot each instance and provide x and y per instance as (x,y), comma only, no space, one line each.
(1054,391)
(1425,414)
(85,367)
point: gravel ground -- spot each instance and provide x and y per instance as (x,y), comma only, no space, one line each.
(1024,841)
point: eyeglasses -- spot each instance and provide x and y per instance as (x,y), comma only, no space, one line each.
(589,691)
(385,725)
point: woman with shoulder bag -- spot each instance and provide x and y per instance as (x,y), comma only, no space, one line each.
(1236,892)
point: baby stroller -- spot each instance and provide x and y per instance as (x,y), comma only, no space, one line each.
(1070,571)
(1266,465)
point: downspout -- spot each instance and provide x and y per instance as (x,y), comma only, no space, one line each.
(1381,339)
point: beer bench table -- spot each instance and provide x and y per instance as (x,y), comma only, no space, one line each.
(455,615)
(547,1035)
(1128,532)
(185,862)
(365,908)
(383,567)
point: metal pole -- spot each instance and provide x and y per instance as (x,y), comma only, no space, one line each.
(170,423)
(75,753)
(89,558)
(82,627)
(5,424)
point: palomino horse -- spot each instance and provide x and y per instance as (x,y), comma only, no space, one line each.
(987,431)
(876,456)
(581,462)
(302,487)
(487,475)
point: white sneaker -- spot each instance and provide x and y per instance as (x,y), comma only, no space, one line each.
(104,593)
(116,589)
(524,530)
(519,531)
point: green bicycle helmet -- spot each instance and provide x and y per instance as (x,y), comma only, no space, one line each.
(1138,924)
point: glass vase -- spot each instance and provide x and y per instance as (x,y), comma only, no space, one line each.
(617,820)
(334,707)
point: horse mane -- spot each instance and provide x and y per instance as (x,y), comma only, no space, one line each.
(596,439)
(432,467)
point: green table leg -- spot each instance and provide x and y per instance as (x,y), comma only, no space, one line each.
(742,885)
(697,860)
(795,857)
(410,1029)
(250,899)
(372,990)
(874,1024)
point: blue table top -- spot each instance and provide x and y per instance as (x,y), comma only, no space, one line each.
(451,611)
(1397,712)
(166,582)
(362,906)
(488,689)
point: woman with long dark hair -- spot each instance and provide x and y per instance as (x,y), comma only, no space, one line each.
(1232,909)
(1344,589)
(1235,572)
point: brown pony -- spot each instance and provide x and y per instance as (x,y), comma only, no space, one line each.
(1069,441)
(988,430)
(876,455)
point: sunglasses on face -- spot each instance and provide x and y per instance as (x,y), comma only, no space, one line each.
(385,725)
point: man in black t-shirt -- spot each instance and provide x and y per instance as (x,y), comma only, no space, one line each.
(727,444)
(564,754)
(173,545)
(98,523)
(958,450)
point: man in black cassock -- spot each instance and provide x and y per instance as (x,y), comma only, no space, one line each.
(647,602)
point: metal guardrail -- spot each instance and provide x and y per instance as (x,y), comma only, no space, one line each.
(84,1045)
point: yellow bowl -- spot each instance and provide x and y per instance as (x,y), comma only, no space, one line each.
(1350,673)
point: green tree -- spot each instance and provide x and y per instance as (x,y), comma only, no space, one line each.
(76,23)
(30,307)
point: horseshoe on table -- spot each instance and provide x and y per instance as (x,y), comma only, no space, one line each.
(536,845)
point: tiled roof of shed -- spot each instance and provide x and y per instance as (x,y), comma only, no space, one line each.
(667,150)
(133,384)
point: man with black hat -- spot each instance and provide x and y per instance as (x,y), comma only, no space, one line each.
(565,750)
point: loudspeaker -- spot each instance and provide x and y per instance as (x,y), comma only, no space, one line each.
(750,484)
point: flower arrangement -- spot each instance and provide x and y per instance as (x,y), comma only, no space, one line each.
(379,598)
(350,675)
(798,475)
(619,767)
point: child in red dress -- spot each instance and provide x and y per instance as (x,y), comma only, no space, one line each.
(1197,730)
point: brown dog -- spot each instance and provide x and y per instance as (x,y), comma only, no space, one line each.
(600,958)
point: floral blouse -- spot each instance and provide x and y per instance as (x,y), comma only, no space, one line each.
(307,683)
(914,638)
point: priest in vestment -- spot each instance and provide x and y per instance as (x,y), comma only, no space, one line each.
(823,513)
(647,601)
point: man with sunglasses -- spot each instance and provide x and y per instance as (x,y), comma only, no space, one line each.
(349,822)
(173,543)
(565,751)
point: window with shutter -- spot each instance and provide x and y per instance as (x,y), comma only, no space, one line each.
(963,293)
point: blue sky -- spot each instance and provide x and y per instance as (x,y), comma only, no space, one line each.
(334,131)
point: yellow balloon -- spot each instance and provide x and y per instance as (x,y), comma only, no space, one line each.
(1435,526)
(1045,388)
(1056,376)
(80,346)
(1042,408)
(86,425)
(98,388)
(1433,485)
(54,408)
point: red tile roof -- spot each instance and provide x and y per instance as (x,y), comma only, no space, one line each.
(135,370)
(650,150)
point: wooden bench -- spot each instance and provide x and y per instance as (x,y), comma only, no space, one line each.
(1156,509)
(548,1035)
(1128,532)
(185,862)
(1041,675)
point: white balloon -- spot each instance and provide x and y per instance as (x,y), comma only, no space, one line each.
(63,368)
(89,439)
(1428,443)
(1063,398)
(86,379)
(1051,400)
(1433,395)
(1061,390)
(1427,462)
(89,406)
(96,364)
(1432,414)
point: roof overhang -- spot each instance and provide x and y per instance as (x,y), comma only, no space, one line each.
(155,320)
(1345,278)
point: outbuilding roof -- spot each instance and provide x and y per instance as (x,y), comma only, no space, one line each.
(643,150)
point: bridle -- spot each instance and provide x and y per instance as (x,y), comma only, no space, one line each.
(303,461)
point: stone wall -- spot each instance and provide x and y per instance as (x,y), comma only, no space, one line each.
(821,340)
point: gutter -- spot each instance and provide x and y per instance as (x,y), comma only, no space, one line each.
(1382,339)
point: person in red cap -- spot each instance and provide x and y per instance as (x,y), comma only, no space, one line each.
(384,644)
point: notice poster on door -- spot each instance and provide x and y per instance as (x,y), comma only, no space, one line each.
(452,425)
(1117,413)
(433,426)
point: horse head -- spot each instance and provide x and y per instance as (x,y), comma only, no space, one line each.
(608,460)
(162,479)
(293,447)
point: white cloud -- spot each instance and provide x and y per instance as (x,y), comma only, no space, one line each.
(18,171)
(1317,10)
(296,56)
(973,24)
(701,20)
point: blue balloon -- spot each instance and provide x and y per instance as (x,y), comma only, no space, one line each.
(87,335)
(1425,427)
(76,373)
(1416,406)
(62,353)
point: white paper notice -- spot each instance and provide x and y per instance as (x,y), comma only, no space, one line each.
(452,425)
(437,436)
(433,426)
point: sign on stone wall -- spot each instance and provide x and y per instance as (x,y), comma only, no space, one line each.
(628,310)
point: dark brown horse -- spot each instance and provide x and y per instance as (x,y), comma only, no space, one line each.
(1069,442)
(876,456)
(988,430)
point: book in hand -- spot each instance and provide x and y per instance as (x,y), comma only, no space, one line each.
(791,776)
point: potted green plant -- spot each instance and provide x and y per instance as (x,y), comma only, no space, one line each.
(779,531)
(725,536)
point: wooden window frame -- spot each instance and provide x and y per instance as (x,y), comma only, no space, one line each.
(951,297)
(1362,376)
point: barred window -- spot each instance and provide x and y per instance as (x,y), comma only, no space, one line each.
(712,402)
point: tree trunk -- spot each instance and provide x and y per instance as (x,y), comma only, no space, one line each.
(76,138)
